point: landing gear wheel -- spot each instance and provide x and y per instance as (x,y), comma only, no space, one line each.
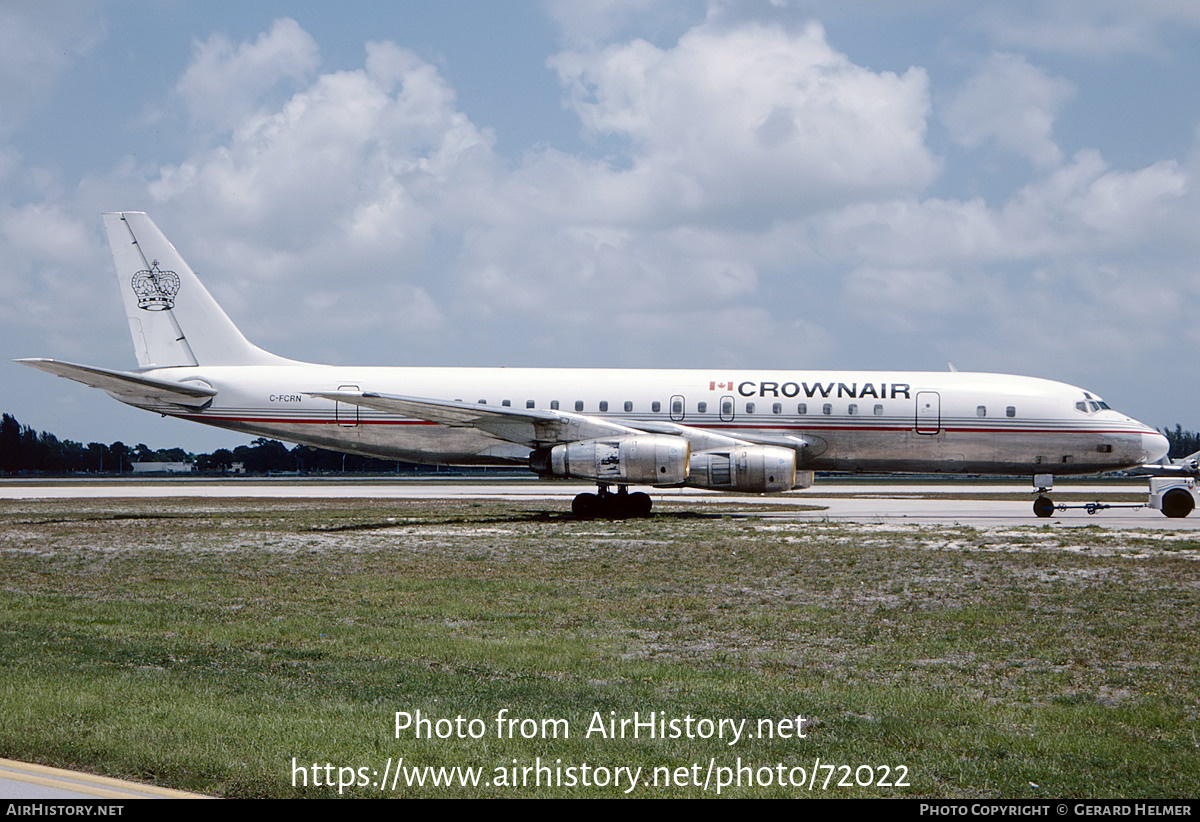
(616,506)
(621,505)
(640,504)
(1043,506)
(586,506)
(1177,503)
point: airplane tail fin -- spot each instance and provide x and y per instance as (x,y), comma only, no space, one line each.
(172,317)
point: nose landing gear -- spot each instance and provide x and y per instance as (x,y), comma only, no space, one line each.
(1043,506)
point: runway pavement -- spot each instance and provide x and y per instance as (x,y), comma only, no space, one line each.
(934,502)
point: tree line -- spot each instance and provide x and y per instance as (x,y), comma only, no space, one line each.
(1183,443)
(24,450)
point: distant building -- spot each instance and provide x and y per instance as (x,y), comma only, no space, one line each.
(163,467)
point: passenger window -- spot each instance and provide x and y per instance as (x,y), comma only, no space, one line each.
(677,407)
(656,406)
(853,408)
(1011,411)
(777,408)
(749,408)
(553,405)
(483,402)
(529,403)
(981,411)
(628,406)
(578,405)
(827,409)
(879,409)
(802,408)
(727,407)
(702,407)
(506,403)
(603,405)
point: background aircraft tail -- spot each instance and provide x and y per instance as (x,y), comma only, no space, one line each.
(172,317)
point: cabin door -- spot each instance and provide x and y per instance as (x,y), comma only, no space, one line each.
(346,413)
(929,412)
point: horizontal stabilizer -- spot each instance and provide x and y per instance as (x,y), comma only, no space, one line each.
(128,387)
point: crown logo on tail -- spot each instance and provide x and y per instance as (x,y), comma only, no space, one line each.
(155,289)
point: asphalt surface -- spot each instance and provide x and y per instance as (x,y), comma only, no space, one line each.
(941,502)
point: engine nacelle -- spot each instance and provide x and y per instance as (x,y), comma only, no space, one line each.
(760,469)
(643,459)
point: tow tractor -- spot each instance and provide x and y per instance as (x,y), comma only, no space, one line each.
(1172,490)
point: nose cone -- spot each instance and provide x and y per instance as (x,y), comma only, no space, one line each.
(1155,446)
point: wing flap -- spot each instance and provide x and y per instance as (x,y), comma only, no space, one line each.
(126,386)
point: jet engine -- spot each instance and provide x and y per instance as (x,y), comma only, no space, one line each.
(760,469)
(649,459)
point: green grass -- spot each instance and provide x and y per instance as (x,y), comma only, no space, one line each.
(204,644)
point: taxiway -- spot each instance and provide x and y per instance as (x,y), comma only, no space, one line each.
(935,502)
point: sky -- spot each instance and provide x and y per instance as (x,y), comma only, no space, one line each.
(1008,187)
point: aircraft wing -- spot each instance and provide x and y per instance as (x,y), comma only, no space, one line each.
(700,440)
(127,386)
(526,426)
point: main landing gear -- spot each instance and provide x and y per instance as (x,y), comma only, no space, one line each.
(606,505)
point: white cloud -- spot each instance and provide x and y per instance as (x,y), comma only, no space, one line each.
(356,154)
(1098,29)
(755,120)
(225,83)
(905,300)
(1083,208)
(343,187)
(337,191)
(1086,208)
(1013,104)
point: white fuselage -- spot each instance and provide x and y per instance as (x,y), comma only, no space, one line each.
(837,421)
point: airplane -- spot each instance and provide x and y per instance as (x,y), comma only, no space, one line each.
(750,431)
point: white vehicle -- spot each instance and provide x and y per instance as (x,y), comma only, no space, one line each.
(756,431)
(1174,496)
